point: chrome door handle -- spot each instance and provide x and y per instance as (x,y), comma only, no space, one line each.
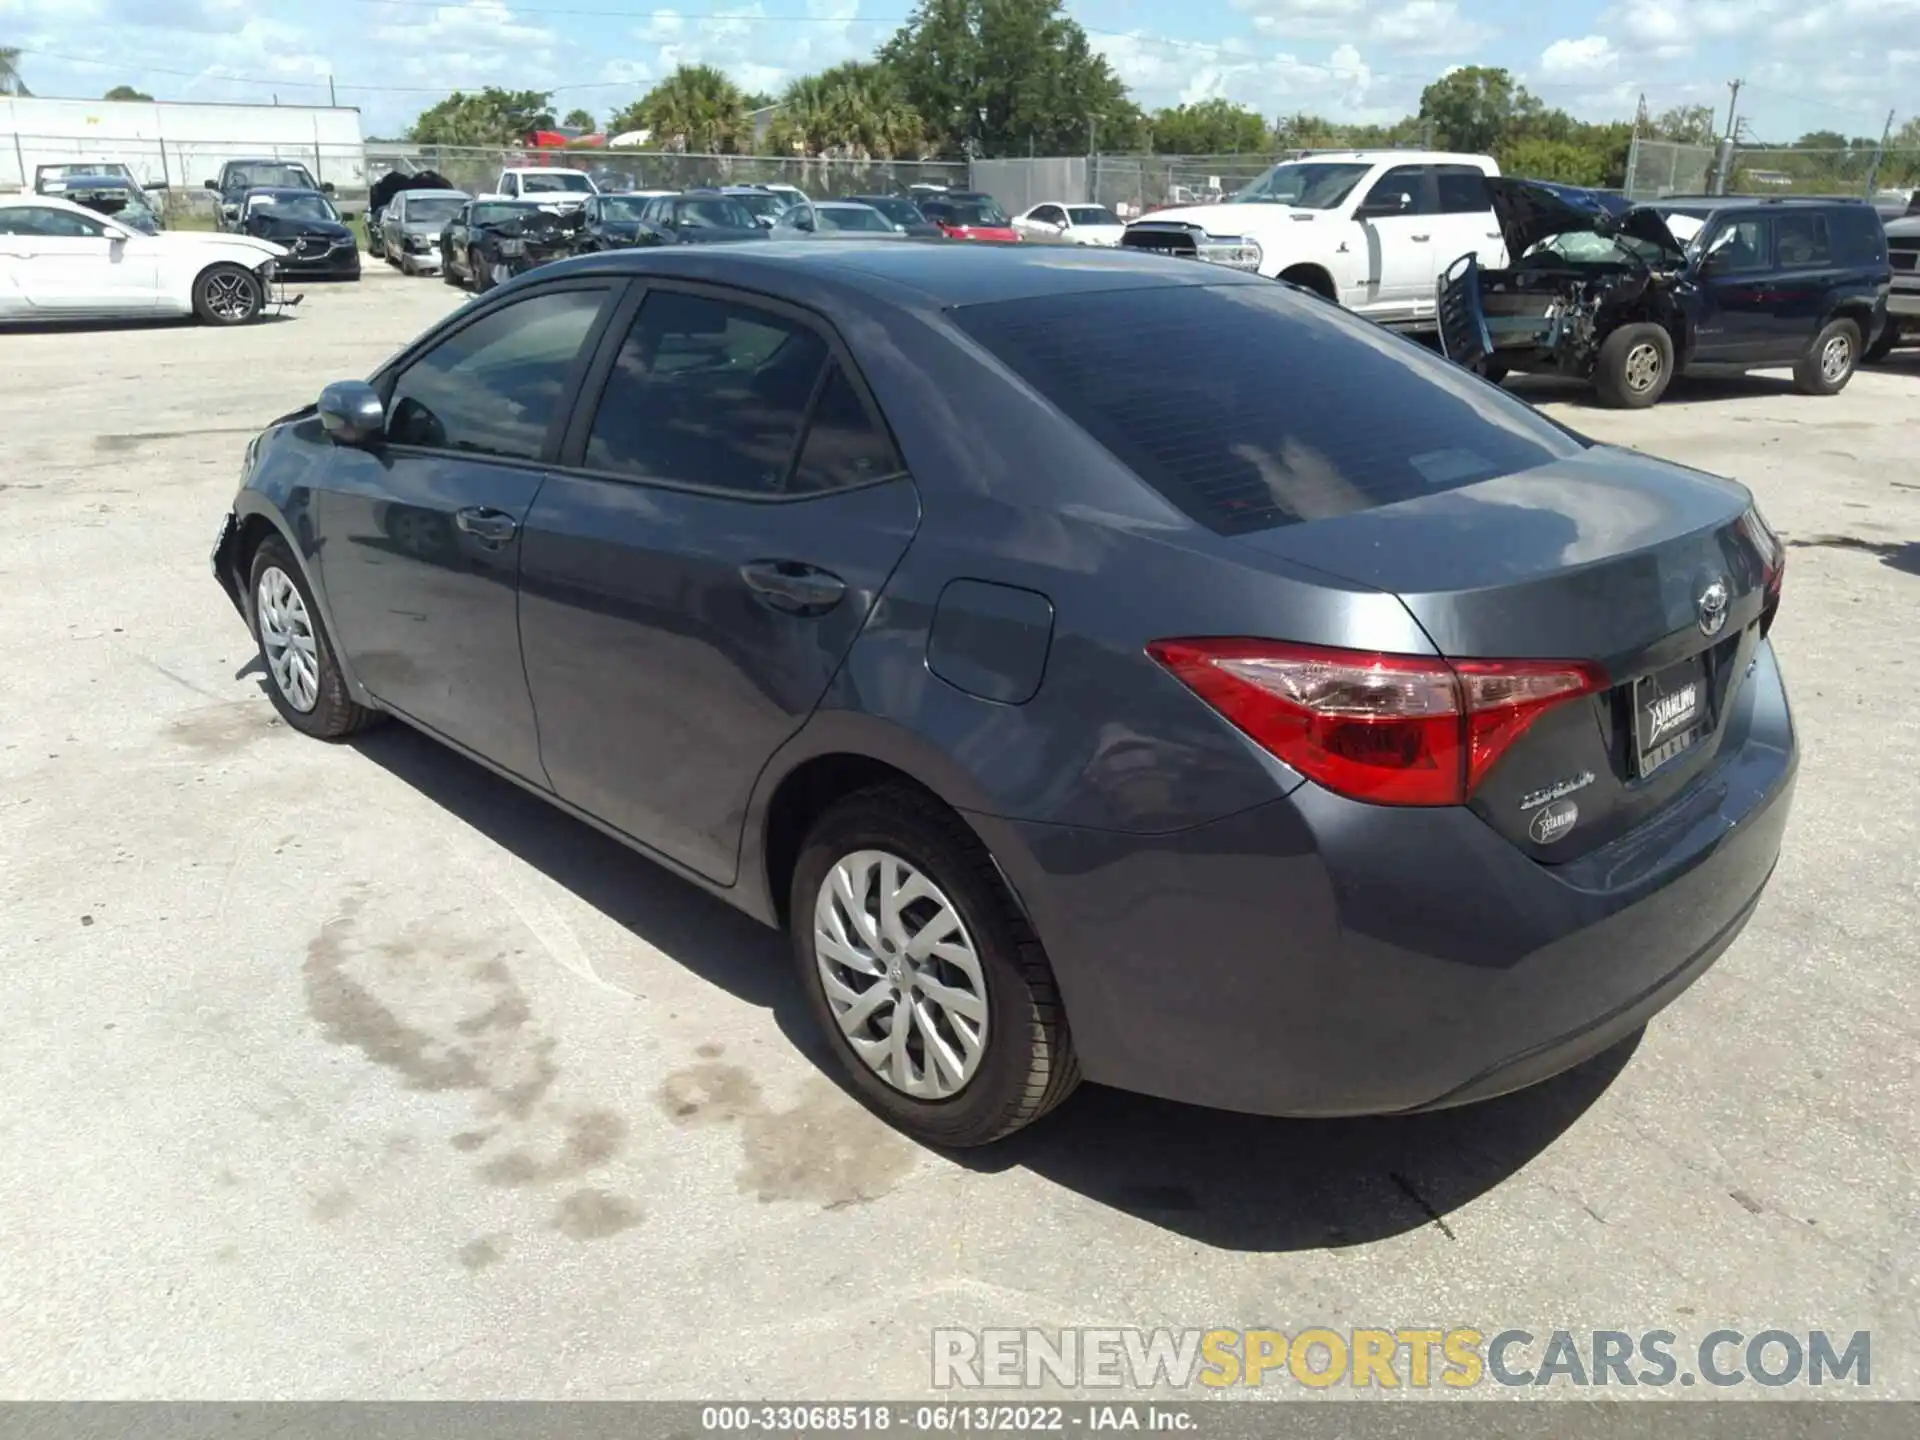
(1419,238)
(495,527)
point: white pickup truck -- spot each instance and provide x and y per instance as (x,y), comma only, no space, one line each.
(548,184)
(1370,229)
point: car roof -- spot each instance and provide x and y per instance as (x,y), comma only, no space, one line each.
(282,190)
(943,275)
(1742,202)
(844,204)
(433,194)
(43,202)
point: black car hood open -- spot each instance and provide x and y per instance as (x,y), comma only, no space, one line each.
(1530,211)
(393,182)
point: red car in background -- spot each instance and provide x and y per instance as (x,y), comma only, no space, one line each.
(970,217)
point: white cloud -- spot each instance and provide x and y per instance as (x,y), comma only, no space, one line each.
(1428,27)
(1588,58)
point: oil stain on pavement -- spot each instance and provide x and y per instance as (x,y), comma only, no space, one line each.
(825,1149)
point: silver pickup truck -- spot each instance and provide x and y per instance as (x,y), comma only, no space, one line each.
(1903,300)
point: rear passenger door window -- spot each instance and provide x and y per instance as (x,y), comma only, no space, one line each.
(495,387)
(1800,240)
(1462,189)
(845,445)
(710,394)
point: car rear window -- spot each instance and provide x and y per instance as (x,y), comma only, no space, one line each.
(1251,407)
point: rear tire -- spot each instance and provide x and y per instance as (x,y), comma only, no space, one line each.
(1634,367)
(1493,371)
(303,677)
(1023,1064)
(1830,361)
(228,295)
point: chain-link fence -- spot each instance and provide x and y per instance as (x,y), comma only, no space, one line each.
(1019,185)
(477,170)
(1131,185)
(1659,168)
(175,172)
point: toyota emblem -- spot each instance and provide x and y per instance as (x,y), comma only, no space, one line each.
(1713,608)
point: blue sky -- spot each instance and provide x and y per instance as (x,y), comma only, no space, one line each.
(1809,64)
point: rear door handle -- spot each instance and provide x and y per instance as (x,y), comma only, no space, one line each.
(793,586)
(495,527)
(1418,239)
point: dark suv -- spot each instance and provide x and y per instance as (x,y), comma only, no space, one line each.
(1627,296)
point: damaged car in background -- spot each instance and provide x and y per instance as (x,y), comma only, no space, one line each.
(1626,296)
(488,242)
(381,195)
(319,245)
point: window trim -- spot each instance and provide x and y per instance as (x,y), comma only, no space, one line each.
(571,458)
(388,378)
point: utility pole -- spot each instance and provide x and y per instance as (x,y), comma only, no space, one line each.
(1873,173)
(332,99)
(1725,168)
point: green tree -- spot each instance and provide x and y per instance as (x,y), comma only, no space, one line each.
(492,117)
(696,109)
(126,92)
(1213,127)
(579,120)
(853,111)
(1473,108)
(759,100)
(11,81)
(1005,77)
(1565,161)
(1686,125)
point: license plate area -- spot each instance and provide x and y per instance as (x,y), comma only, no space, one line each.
(1672,712)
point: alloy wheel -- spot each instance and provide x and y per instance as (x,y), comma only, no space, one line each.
(1834,358)
(1642,367)
(287,639)
(229,296)
(901,974)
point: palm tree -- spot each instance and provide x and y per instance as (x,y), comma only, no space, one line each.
(851,112)
(696,110)
(11,82)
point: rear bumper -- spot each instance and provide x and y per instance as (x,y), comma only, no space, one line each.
(1317,956)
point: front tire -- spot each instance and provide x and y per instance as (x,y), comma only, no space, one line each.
(482,279)
(303,677)
(228,295)
(1830,361)
(448,273)
(934,993)
(1634,367)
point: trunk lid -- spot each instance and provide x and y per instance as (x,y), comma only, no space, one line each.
(1645,568)
(1529,211)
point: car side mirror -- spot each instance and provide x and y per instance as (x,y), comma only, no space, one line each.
(326,187)
(351,413)
(212,184)
(1398,203)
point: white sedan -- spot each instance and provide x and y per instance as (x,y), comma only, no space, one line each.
(1074,224)
(59,261)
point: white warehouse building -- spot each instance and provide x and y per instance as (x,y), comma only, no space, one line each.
(177,144)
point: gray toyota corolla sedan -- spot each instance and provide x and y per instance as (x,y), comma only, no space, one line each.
(1100,664)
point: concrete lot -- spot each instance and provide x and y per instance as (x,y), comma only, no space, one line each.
(352,1071)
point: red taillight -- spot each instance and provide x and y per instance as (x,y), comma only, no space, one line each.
(1773,562)
(1388,729)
